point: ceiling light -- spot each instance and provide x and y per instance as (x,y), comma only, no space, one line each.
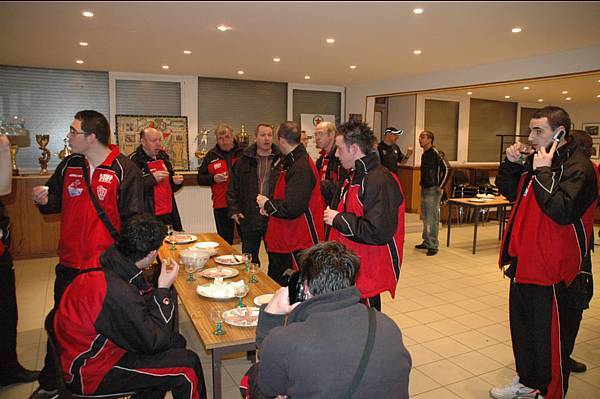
(517,30)
(240,72)
(418,11)
(88,14)
(598,96)
(223,28)
(187,52)
(352,66)
(330,40)
(506,96)
(165,67)
(276,59)
(83,44)
(568,98)
(540,100)
(525,87)
(307,77)
(565,92)
(469,93)
(417,52)
(79,61)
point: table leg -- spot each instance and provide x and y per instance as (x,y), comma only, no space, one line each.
(216,373)
(251,356)
(449,223)
(476,216)
(500,221)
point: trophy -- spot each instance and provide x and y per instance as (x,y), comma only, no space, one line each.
(202,144)
(66,151)
(43,140)
(18,137)
(243,138)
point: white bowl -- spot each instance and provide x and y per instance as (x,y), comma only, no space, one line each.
(194,256)
(208,246)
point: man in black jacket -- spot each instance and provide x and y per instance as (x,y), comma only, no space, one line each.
(251,175)
(389,152)
(160,181)
(331,171)
(215,172)
(317,353)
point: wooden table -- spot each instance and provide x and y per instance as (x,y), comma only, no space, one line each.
(236,339)
(498,202)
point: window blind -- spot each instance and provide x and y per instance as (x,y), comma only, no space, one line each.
(441,118)
(317,102)
(146,97)
(487,118)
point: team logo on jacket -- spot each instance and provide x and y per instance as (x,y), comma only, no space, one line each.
(75,189)
(105,178)
(166,301)
(101,190)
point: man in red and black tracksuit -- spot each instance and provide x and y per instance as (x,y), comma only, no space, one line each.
(116,334)
(117,185)
(546,241)
(215,172)
(296,209)
(368,213)
(330,170)
(159,178)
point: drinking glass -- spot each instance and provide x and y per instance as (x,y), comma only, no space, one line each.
(524,152)
(190,268)
(170,235)
(217,317)
(247,260)
(240,292)
(254,269)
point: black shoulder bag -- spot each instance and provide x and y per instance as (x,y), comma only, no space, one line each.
(101,214)
(362,366)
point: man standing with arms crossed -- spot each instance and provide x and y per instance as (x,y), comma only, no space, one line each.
(117,185)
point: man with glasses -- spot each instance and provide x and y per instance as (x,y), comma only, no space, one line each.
(116,182)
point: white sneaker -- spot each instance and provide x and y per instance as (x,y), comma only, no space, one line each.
(515,390)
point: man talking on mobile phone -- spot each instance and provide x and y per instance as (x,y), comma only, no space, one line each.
(544,245)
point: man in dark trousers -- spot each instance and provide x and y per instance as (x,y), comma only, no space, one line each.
(296,209)
(251,175)
(555,191)
(116,334)
(160,181)
(11,371)
(389,152)
(215,172)
(367,214)
(116,183)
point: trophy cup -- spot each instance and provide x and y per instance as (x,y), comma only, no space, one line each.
(18,137)
(202,144)
(243,139)
(43,140)
(66,151)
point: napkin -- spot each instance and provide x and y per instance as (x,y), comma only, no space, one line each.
(219,289)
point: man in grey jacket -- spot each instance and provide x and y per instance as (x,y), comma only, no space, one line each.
(318,352)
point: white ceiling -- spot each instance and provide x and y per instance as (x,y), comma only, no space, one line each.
(378,37)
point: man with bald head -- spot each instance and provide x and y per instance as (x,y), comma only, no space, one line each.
(160,181)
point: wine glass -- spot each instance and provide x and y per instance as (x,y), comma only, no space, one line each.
(247,260)
(254,269)
(217,317)
(190,268)
(170,235)
(240,291)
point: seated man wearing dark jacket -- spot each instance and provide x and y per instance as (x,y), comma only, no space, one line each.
(317,354)
(116,334)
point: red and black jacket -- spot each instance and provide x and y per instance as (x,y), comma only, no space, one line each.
(371,223)
(217,161)
(331,172)
(117,184)
(296,209)
(547,236)
(4,230)
(153,191)
(106,313)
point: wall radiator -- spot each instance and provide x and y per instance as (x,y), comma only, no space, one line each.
(195,208)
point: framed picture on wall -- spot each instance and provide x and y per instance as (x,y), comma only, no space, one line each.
(592,128)
(595,151)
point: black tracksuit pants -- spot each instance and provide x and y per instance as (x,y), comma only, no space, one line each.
(541,336)
(224,223)
(280,263)
(8,317)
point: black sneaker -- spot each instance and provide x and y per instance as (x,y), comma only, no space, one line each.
(421,246)
(432,251)
(576,367)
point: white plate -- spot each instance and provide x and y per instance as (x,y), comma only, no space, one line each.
(262,299)
(476,200)
(207,295)
(181,238)
(206,245)
(230,259)
(239,317)
(226,272)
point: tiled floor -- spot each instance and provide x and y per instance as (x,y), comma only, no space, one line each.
(451,308)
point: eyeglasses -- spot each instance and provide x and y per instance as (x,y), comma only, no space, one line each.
(74,132)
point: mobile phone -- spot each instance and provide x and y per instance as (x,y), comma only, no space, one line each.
(558,135)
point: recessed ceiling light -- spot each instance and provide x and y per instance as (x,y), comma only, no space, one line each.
(565,92)
(598,96)
(469,93)
(517,30)
(165,67)
(223,28)
(417,52)
(352,66)
(540,100)
(83,44)
(240,72)
(276,59)
(307,77)
(79,61)
(418,11)
(506,96)
(330,40)
(88,14)
(568,98)
(187,52)
(525,87)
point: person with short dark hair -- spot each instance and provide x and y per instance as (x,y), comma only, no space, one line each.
(296,209)
(367,214)
(555,193)
(389,152)
(215,172)
(159,178)
(434,175)
(117,186)
(116,334)
(250,176)
(316,354)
